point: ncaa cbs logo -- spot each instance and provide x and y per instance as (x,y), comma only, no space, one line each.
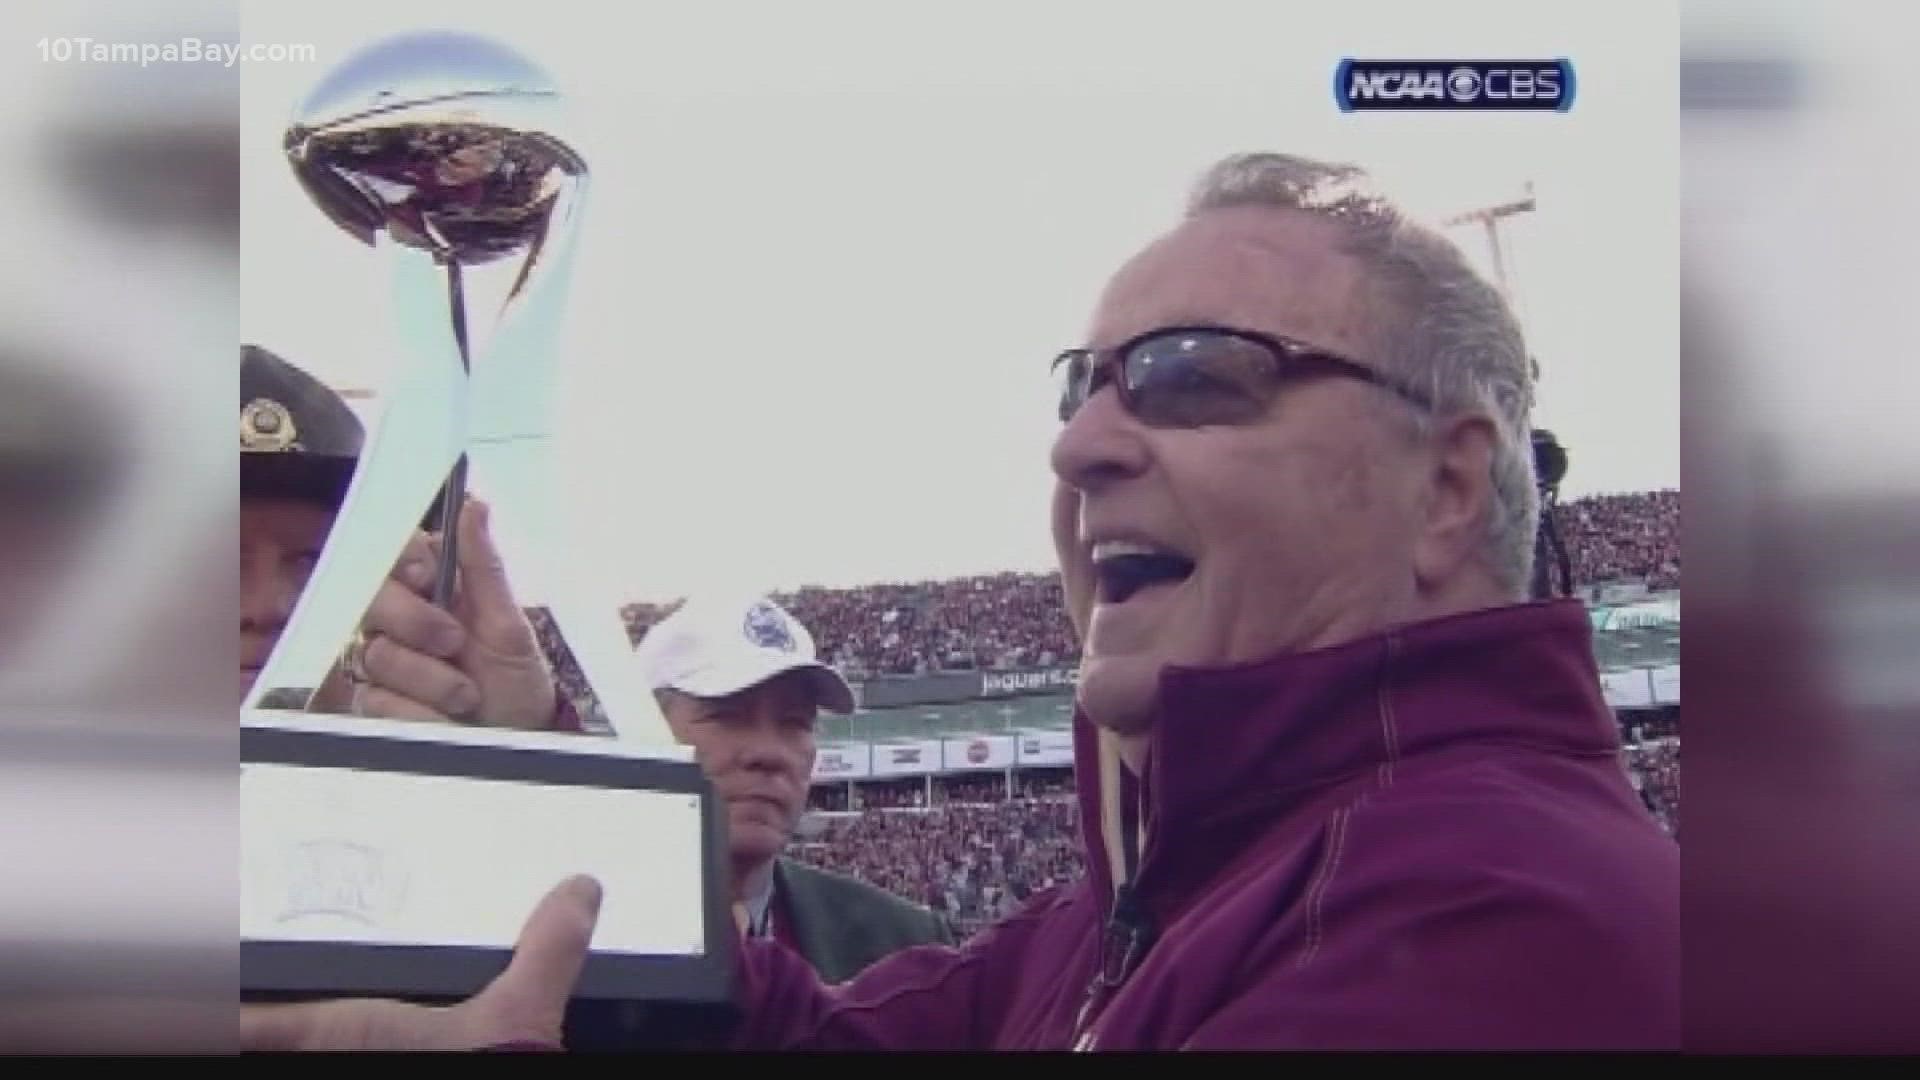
(1506,85)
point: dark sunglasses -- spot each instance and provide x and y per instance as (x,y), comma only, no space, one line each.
(1196,376)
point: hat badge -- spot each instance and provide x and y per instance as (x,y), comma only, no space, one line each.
(267,425)
(768,629)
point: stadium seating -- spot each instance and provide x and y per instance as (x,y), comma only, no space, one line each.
(974,864)
(1013,620)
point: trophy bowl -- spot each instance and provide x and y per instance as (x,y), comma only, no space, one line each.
(446,141)
(451,144)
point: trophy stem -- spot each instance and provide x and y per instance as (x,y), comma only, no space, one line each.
(454,494)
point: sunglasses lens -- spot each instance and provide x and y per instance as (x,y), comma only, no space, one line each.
(1194,379)
(1071,371)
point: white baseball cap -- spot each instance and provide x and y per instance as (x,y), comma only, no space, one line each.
(713,647)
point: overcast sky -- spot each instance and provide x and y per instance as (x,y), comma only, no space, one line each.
(830,247)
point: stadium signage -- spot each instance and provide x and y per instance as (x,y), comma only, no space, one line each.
(917,758)
(1627,689)
(979,753)
(1046,747)
(938,688)
(842,761)
(1635,688)
(953,687)
(1666,685)
(1640,616)
(1005,683)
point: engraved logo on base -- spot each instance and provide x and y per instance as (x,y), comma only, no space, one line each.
(345,880)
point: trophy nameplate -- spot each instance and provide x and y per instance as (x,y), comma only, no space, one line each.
(401,860)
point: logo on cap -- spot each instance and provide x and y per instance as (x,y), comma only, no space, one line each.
(768,629)
(266,425)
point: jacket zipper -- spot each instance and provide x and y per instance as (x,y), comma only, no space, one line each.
(1123,945)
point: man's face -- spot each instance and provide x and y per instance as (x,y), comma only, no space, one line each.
(1299,525)
(757,748)
(280,540)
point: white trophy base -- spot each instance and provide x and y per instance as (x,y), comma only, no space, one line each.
(400,859)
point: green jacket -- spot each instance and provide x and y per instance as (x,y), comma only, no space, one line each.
(842,925)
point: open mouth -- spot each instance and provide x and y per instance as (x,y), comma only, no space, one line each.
(766,801)
(1125,569)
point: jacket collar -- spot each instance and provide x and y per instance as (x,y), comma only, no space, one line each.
(1244,744)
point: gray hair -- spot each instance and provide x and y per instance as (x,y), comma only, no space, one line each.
(1451,335)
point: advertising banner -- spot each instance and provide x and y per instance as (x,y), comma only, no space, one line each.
(916,758)
(1037,681)
(1627,689)
(842,761)
(1666,685)
(979,753)
(1046,747)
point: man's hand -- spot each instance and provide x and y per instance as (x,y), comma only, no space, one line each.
(526,1004)
(478,663)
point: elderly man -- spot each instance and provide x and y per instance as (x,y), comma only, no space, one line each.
(740,683)
(1343,786)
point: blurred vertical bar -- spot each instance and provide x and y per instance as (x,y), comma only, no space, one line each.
(1801,381)
(118,526)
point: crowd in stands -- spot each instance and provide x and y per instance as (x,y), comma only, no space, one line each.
(1043,783)
(1649,725)
(567,676)
(1012,620)
(978,789)
(832,798)
(975,864)
(1613,538)
(994,622)
(894,795)
(1654,767)
(990,788)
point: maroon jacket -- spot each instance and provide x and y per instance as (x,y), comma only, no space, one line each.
(1424,839)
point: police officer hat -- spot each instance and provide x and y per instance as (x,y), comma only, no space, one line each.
(298,439)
